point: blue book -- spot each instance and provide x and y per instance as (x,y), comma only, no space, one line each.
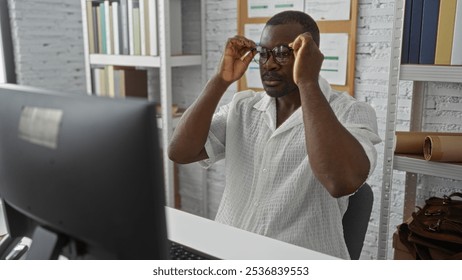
(430,13)
(416,29)
(406,32)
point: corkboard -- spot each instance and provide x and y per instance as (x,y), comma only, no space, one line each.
(344,26)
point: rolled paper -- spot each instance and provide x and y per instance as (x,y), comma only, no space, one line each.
(413,142)
(443,148)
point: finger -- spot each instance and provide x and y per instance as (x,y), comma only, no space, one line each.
(248,56)
(241,42)
(296,44)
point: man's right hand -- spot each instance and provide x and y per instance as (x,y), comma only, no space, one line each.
(239,52)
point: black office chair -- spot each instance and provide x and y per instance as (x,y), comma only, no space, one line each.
(356,219)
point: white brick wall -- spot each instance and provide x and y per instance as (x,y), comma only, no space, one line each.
(48,43)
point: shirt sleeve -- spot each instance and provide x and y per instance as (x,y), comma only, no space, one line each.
(361,121)
(215,144)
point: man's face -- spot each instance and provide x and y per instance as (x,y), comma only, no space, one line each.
(278,79)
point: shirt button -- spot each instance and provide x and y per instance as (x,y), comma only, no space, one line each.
(265,170)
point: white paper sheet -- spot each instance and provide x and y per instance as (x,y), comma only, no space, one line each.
(283,5)
(268,8)
(328,9)
(334,46)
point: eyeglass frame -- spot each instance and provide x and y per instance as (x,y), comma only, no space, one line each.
(272,53)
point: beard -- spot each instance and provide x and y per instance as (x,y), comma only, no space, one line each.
(276,85)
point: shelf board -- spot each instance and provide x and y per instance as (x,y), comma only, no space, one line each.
(431,73)
(417,164)
(143,61)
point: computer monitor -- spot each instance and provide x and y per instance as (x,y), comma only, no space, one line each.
(81,175)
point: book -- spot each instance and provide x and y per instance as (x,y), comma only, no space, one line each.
(108,26)
(102,21)
(136,28)
(430,14)
(130,27)
(115,27)
(415,32)
(111,28)
(142,27)
(445,34)
(456,55)
(135,82)
(100,29)
(110,80)
(100,82)
(95,81)
(152,10)
(147,34)
(123,15)
(406,32)
(90,26)
(95,28)
(121,83)
(117,84)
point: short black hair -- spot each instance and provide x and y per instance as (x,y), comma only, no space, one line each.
(307,22)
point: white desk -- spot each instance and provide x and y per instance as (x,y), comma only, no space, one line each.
(229,243)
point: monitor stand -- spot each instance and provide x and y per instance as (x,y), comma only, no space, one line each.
(46,245)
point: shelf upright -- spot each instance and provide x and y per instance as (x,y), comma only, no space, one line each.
(393,89)
(86,50)
(165,72)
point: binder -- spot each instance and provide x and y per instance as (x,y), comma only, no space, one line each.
(445,35)
(406,32)
(430,14)
(416,29)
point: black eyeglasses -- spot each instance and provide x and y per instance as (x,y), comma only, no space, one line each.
(281,54)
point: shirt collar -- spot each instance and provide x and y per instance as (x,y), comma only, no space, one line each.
(267,104)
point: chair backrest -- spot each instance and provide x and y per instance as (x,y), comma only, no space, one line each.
(356,219)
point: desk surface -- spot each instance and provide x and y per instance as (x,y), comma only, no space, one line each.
(230,243)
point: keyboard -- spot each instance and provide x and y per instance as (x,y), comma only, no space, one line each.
(180,252)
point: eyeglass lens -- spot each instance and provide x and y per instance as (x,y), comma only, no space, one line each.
(281,54)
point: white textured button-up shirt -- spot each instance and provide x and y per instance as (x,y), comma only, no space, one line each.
(270,187)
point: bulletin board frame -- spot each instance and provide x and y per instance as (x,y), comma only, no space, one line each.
(325,26)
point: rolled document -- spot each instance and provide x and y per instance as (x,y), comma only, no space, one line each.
(413,142)
(443,148)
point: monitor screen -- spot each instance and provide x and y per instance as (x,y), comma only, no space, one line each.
(83,173)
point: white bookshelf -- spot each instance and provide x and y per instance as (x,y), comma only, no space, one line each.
(164,61)
(420,75)
(431,73)
(143,61)
(413,164)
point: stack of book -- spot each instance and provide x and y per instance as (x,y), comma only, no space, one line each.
(122,27)
(114,81)
(432,32)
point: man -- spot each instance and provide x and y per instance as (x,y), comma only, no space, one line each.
(294,152)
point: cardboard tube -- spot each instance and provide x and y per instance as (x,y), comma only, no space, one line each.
(443,148)
(413,142)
